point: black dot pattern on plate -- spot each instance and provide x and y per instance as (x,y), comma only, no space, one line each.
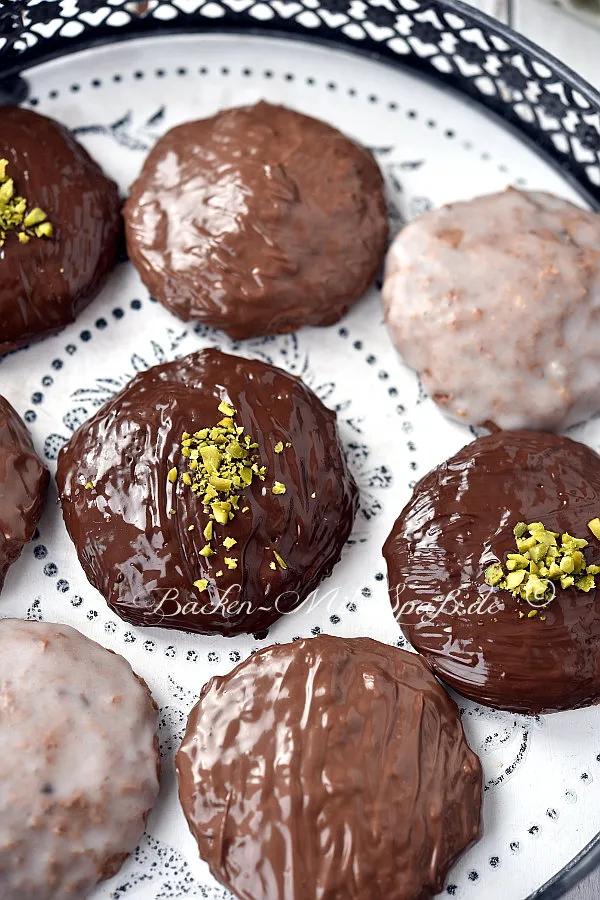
(269,74)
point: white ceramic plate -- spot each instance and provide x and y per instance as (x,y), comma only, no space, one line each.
(542,775)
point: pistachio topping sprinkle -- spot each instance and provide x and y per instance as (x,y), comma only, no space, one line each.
(15,214)
(544,560)
(222,463)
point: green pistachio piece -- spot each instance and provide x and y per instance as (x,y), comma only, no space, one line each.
(279,559)
(201,584)
(520,529)
(494,574)
(278,488)
(586,584)
(524,544)
(34,217)
(567,565)
(221,515)
(514,579)
(594,527)
(578,560)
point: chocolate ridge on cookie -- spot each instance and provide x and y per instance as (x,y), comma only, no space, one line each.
(472,568)
(210,495)
(257,220)
(23,485)
(60,227)
(329,768)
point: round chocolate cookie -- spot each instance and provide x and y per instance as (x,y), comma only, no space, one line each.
(210,495)
(467,515)
(258,220)
(79,761)
(23,485)
(495,302)
(60,227)
(329,768)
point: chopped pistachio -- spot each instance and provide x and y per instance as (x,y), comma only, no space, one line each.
(34,217)
(226,409)
(173,475)
(14,215)
(278,448)
(567,565)
(208,531)
(230,562)
(545,558)
(222,463)
(89,486)
(207,550)
(45,230)
(586,583)
(514,579)
(201,584)
(229,542)
(278,488)
(494,574)
(272,566)
(532,613)
(594,527)
(219,573)
(280,560)
(191,527)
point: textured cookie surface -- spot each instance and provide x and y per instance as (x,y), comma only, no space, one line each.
(152,546)
(45,282)
(496,303)
(329,768)
(258,220)
(78,767)
(460,520)
(23,484)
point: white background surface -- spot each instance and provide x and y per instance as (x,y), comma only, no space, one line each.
(578,45)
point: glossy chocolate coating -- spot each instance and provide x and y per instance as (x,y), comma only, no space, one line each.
(460,520)
(23,485)
(329,768)
(258,220)
(135,550)
(44,284)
